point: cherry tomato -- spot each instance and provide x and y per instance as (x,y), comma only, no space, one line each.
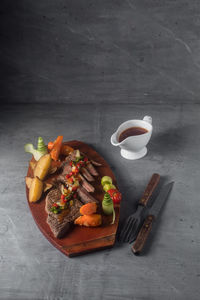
(115,195)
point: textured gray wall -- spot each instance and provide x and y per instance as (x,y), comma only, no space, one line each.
(100,51)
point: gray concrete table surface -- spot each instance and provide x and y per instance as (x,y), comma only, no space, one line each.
(169,268)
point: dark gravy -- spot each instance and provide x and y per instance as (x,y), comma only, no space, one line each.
(131,131)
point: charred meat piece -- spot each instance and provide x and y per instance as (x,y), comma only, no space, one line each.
(61,223)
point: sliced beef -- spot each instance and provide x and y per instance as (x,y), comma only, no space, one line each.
(89,188)
(61,223)
(87,174)
(95,163)
(66,169)
(85,196)
(92,170)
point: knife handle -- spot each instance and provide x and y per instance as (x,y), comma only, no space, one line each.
(143,234)
(149,189)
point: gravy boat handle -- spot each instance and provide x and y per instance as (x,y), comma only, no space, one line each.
(148,119)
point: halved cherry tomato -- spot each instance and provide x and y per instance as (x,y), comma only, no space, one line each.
(115,195)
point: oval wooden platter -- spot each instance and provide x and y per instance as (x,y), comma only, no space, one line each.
(80,240)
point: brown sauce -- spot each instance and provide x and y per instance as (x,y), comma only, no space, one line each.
(131,132)
(63,214)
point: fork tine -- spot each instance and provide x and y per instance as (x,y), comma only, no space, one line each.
(133,233)
(124,228)
(126,223)
(126,231)
(129,233)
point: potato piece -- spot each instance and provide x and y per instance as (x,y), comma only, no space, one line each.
(32,164)
(88,209)
(36,190)
(28,181)
(89,220)
(43,166)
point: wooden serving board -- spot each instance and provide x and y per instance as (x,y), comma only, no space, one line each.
(80,239)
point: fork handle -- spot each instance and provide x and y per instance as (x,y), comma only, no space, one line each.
(143,234)
(149,189)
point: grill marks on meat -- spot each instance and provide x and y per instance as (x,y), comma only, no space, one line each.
(61,223)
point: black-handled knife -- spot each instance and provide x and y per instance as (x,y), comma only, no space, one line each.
(143,234)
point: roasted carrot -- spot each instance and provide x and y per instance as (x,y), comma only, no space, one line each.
(55,151)
(65,149)
(93,220)
(88,209)
(50,145)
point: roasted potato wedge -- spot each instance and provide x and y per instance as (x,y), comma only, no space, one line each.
(28,181)
(32,164)
(43,166)
(36,189)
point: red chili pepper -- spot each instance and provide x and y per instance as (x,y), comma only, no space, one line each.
(55,205)
(67,176)
(74,188)
(62,197)
(115,195)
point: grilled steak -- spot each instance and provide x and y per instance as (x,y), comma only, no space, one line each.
(61,223)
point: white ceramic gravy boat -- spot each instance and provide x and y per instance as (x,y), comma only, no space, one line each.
(133,147)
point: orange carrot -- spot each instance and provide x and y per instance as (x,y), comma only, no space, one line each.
(89,220)
(65,149)
(88,209)
(55,151)
(50,145)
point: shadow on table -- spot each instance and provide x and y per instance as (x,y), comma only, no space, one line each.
(169,141)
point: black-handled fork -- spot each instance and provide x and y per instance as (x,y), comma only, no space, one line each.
(132,224)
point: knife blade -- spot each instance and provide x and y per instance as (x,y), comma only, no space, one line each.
(154,211)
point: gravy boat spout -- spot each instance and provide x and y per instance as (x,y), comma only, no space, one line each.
(114,140)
